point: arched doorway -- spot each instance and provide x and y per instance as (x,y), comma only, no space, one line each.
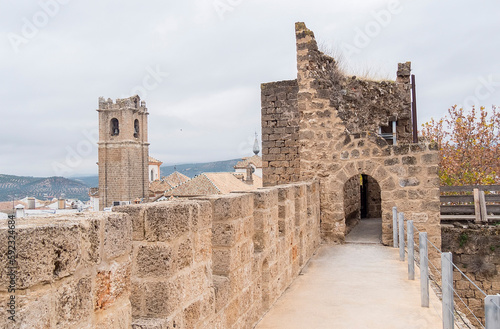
(363,208)
(371,202)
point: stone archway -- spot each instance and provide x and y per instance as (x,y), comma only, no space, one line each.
(362,200)
(335,207)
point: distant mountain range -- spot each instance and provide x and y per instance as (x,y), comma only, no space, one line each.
(41,188)
(194,169)
(77,187)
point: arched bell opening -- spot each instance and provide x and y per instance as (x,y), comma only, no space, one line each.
(136,128)
(114,127)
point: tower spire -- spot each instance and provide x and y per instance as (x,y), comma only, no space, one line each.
(256,148)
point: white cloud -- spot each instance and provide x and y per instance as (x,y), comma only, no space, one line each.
(49,89)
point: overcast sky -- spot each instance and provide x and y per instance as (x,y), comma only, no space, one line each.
(199,64)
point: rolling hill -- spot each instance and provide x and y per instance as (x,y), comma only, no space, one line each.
(41,187)
(193,169)
(77,187)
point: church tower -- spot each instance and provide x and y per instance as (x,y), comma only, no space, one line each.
(123,151)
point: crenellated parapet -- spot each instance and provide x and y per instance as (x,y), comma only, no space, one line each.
(133,103)
(212,262)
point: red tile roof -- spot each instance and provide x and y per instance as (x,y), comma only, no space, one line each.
(154,161)
(166,183)
(255,160)
(213,183)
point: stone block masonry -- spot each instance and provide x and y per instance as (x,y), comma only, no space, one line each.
(73,272)
(476,251)
(123,155)
(280,133)
(326,125)
(212,262)
(220,261)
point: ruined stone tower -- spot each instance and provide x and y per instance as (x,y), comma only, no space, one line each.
(354,135)
(123,151)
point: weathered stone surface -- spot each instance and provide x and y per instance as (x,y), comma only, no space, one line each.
(225,233)
(192,314)
(153,261)
(411,181)
(226,278)
(168,221)
(201,215)
(152,323)
(162,298)
(409,160)
(32,310)
(117,235)
(339,119)
(91,239)
(203,246)
(73,303)
(265,198)
(118,319)
(136,213)
(46,251)
(111,284)
(184,257)
(432,158)
(391,162)
(476,252)
(65,282)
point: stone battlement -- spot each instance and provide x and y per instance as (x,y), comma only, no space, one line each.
(211,262)
(72,272)
(133,102)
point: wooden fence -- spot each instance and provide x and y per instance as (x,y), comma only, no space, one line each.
(480,203)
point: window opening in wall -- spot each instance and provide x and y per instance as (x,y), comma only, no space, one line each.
(136,128)
(115,127)
(389,133)
(152,175)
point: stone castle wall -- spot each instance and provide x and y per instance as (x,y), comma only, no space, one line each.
(212,262)
(476,251)
(72,272)
(339,117)
(227,258)
(280,133)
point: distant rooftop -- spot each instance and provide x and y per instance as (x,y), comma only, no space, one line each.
(255,160)
(213,183)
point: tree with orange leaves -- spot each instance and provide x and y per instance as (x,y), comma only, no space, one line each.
(469,145)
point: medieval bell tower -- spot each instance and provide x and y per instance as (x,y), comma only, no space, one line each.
(123,151)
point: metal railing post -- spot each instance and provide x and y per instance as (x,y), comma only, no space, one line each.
(411,250)
(401,236)
(447,286)
(424,270)
(395,226)
(492,311)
